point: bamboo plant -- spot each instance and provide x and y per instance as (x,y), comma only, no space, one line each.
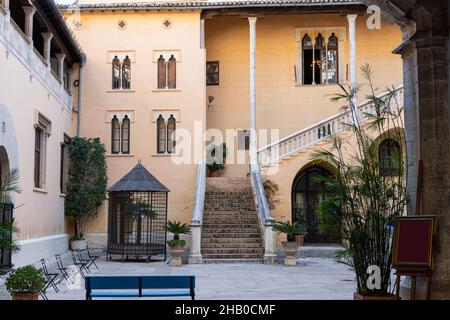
(365,203)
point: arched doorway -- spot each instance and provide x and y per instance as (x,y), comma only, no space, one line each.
(4,164)
(307,193)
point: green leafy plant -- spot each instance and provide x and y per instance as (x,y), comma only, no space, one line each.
(270,189)
(26,279)
(290,229)
(10,184)
(174,243)
(86,187)
(365,203)
(215,157)
(177,228)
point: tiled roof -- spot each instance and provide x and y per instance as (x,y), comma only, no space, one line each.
(138,179)
(227,4)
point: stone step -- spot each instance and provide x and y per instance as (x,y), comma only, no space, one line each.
(231,241)
(240,235)
(229,225)
(232,250)
(232,256)
(233,261)
(242,245)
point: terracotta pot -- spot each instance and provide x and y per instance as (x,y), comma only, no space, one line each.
(24,296)
(78,245)
(357,296)
(300,239)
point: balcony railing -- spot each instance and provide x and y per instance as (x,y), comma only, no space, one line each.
(19,45)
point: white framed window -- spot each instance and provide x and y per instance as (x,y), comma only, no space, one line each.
(166,68)
(165,134)
(42,131)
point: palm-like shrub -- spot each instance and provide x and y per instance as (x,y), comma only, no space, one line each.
(290,229)
(177,228)
(365,203)
(10,184)
(216,156)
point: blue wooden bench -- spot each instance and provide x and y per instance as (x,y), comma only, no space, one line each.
(139,286)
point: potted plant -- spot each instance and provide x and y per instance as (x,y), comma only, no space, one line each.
(270,189)
(177,245)
(366,200)
(25,283)
(86,187)
(290,247)
(215,159)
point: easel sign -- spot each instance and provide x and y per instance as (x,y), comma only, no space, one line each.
(413,242)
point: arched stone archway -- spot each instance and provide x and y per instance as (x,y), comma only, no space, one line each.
(9,158)
(307,194)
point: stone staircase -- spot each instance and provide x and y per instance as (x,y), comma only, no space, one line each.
(230,231)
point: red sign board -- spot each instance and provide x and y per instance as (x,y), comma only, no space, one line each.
(413,242)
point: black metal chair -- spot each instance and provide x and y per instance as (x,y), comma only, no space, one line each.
(93,258)
(62,269)
(51,277)
(79,264)
(86,260)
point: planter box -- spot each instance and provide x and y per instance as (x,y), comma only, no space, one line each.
(25,296)
(78,245)
(357,296)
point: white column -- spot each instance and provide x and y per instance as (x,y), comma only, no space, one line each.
(60,57)
(29,13)
(252,24)
(5,4)
(352,40)
(47,45)
(202,33)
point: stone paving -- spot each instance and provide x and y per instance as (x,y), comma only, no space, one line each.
(312,278)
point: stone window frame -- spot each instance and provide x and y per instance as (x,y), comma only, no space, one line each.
(43,124)
(120,115)
(171,59)
(326,32)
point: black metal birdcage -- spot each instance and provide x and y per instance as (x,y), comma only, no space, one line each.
(137,216)
(6,218)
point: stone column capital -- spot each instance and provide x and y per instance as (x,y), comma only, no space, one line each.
(29,10)
(47,36)
(352,18)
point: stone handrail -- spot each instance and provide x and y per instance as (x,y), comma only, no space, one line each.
(317,132)
(265,219)
(195,256)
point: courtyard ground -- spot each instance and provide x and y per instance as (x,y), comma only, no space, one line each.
(312,278)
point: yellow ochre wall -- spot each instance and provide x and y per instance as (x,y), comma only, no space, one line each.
(144,34)
(281,103)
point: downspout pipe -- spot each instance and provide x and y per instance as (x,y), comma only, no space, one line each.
(80,82)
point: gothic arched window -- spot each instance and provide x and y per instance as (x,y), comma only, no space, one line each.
(116,73)
(126,135)
(126,73)
(389,153)
(332,60)
(115,135)
(172,73)
(161,134)
(308,56)
(171,126)
(161,72)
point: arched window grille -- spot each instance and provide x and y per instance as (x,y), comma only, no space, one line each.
(116,73)
(161,72)
(115,135)
(126,135)
(161,134)
(171,126)
(126,73)
(389,153)
(172,73)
